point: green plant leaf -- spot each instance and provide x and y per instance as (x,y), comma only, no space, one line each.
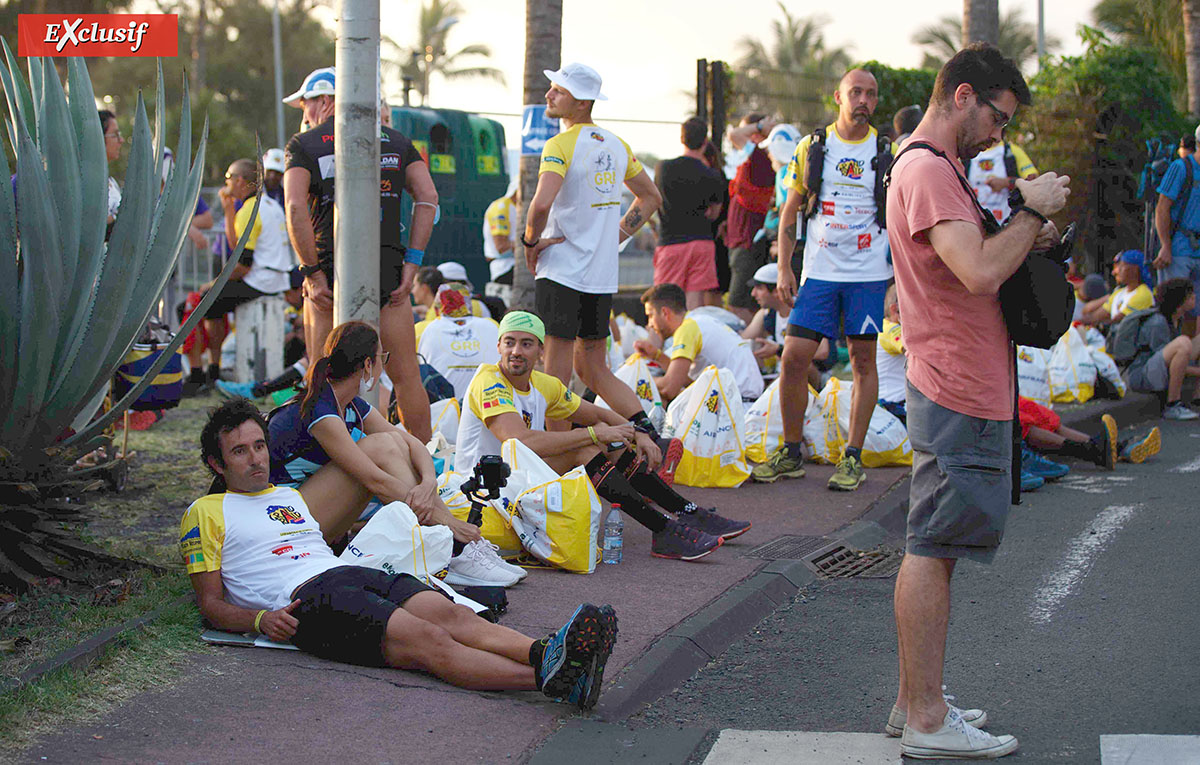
(10,328)
(59,149)
(20,102)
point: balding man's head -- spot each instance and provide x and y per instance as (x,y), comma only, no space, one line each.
(857,96)
(245,168)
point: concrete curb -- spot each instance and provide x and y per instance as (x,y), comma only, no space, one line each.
(695,641)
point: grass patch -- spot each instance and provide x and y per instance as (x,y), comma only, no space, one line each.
(139,659)
(142,522)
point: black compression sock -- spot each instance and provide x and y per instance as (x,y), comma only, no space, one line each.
(290,377)
(611,484)
(1088,451)
(535,659)
(650,486)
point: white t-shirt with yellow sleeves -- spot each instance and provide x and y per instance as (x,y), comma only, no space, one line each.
(489,394)
(703,340)
(456,347)
(268,239)
(845,244)
(594,164)
(499,220)
(265,545)
(990,162)
(1125,301)
(891,363)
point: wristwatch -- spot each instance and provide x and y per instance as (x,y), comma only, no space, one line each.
(307,271)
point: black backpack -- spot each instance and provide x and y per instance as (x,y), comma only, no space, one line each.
(1037,300)
(814,171)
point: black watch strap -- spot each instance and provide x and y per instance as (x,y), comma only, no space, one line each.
(307,271)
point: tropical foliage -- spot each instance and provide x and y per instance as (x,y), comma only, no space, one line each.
(71,304)
(792,73)
(1153,24)
(1018,39)
(1090,119)
(898,88)
(429,54)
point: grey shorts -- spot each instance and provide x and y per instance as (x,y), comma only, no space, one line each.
(961,482)
(1152,376)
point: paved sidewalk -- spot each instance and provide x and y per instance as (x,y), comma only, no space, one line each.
(243,704)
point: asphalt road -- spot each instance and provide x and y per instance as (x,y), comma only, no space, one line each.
(1086,625)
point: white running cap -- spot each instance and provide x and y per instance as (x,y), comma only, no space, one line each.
(579,80)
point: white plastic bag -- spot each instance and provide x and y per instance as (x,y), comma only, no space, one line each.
(631,332)
(635,373)
(1107,368)
(1033,374)
(764,423)
(557,518)
(444,416)
(708,418)
(1072,369)
(394,541)
(826,432)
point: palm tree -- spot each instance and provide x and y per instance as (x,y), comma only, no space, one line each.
(797,46)
(981,21)
(1191,36)
(428,56)
(1018,39)
(1154,24)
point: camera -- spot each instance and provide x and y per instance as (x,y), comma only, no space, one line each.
(487,479)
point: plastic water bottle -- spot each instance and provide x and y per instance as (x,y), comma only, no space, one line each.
(614,528)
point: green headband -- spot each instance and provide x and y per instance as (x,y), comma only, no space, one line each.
(523,321)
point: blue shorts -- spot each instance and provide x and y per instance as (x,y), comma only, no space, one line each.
(821,307)
(1185,268)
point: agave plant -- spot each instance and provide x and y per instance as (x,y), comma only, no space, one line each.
(71,305)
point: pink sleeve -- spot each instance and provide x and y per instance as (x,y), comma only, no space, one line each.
(932,194)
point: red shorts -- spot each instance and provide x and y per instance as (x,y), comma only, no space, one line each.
(1034,415)
(690,265)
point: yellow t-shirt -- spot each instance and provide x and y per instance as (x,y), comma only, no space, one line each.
(489,394)
(1125,301)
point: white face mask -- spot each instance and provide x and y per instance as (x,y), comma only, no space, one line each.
(365,384)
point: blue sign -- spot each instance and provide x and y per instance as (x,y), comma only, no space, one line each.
(536,129)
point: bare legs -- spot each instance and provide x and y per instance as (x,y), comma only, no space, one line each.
(797,358)
(398,337)
(922,603)
(865,393)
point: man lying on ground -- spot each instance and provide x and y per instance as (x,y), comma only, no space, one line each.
(258,561)
(696,342)
(512,400)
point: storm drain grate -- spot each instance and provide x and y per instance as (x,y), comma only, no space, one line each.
(840,562)
(792,547)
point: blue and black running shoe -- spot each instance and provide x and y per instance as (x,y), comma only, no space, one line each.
(569,651)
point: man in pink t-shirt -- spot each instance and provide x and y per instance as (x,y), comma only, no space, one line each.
(960,393)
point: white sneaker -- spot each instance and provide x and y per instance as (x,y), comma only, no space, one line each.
(476,565)
(898,718)
(1179,412)
(493,551)
(955,740)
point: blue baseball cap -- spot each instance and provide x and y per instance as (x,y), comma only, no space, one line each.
(320,82)
(1133,258)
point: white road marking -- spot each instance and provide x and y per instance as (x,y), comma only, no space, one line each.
(1150,750)
(779,747)
(1188,467)
(1081,554)
(1094,484)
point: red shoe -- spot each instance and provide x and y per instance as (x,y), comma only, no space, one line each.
(672,452)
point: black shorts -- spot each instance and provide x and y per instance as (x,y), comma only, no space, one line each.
(343,613)
(391,271)
(231,296)
(569,314)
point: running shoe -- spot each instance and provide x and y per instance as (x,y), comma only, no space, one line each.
(236,389)
(1031,482)
(848,475)
(569,651)
(678,541)
(899,718)
(779,465)
(1137,451)
(493,551)
(1178,411)
(1110,443)
(477,565)
(672,452)
(1043,468)
(593,678)
(708,521)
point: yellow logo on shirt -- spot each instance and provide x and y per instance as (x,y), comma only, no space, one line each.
(851,168)
(284,514)
(711,402)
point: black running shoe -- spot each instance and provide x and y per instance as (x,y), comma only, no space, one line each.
(708,521)
(594,677)
(679,541)
(569,651)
